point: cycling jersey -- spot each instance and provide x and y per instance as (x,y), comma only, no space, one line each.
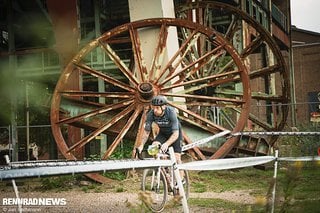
(167,123)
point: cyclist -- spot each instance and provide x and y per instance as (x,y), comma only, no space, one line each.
(165,117)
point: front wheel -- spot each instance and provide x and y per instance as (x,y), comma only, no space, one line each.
(155,183)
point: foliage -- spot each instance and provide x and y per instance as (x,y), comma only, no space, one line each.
(299,188)
(300,145)
(121,152)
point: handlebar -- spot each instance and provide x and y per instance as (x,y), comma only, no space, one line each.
(153,150)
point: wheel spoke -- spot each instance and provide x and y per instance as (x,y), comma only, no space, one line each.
(103,128)
(141,127)
(75,93)
(121,65)
(83,102)
(227,118)
(264,71)
(122,133)
(231,29)
(198,64)
(251,47)
(84,68)
(184,48)
(137,52)
(196,149)
(206,124)
(206,81)
(220,69)
(205,98)
(268,97)
(209,103)
(159,52)
(95,112)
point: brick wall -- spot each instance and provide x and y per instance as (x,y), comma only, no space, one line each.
(306,60)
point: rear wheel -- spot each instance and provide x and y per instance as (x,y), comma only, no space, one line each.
(154,183)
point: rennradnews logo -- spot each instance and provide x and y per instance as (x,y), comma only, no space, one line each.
(34,201)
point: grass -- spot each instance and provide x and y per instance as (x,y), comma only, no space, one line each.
(297,188)
(219,205)
(227,180)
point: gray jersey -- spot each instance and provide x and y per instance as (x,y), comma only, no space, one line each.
(167,123)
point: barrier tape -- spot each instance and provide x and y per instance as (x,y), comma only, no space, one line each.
(226,132)
(205,140)
(233,163)
(222,164)
(307,158)
(275,133)
(8,173)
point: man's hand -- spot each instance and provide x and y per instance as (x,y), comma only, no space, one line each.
(156,143)
(164,147)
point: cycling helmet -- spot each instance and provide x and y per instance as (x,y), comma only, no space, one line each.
(159,100)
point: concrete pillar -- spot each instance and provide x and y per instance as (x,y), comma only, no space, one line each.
(144,9)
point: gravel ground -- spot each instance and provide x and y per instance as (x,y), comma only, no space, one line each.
(79,201)
(104,198)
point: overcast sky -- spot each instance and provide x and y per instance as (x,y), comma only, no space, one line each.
(305,14)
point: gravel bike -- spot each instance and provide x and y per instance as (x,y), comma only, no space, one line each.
(161,182)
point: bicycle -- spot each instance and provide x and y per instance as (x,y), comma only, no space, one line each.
(161,181)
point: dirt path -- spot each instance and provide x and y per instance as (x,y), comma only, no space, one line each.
(118,196)
(79,201)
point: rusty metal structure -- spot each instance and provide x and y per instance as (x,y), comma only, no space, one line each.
(219,63)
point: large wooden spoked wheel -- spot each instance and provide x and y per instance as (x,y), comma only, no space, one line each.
(269,79)
(108,85)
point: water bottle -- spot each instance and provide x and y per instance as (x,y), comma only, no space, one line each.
(153,150)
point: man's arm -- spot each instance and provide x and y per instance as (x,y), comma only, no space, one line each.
(144,138)
(174,136)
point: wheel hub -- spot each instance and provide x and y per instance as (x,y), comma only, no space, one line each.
(145,91)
